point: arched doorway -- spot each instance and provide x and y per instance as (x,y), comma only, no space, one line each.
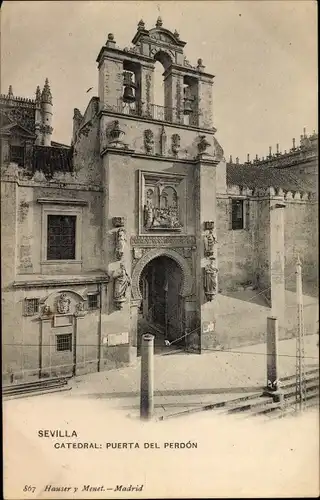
(160,312)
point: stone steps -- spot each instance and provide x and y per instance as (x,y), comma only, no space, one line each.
(42,386)
(260,405)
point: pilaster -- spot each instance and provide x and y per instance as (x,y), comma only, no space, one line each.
(205,103)
(110,82)
(270,242)
(206,282)
(173,95)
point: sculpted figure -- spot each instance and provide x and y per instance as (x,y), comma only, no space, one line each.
(120,242)
(210,280)
(122,282)
(148,209)
(210,240)
(63,304)
(203,144)
(46,310)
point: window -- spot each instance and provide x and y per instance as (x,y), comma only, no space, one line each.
(61,242)
(93,301)
(64,342)
(31,306)
(237,214)
(17,155)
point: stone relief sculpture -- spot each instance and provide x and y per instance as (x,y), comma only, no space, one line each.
(115,134)
(121,238)
(210,239)
(210,280)
(46,310)
(80,310)
(63,304)
(161,208)
(163,141)
(175,144)
(148,140)
(118,221)
(203,144)
(148,209)
(122,282)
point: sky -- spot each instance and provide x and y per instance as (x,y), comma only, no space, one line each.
(263,55)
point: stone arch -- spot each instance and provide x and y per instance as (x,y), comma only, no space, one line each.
(164,56)
(57,292)
(186,287)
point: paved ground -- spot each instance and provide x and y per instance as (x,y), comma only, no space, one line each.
(183,381)
(240,451)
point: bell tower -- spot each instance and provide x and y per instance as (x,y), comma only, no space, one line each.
(159,176)
(126,78)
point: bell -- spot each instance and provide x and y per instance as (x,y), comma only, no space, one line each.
(128,94)
(187,107)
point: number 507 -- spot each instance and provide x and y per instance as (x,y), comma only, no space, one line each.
(31,489)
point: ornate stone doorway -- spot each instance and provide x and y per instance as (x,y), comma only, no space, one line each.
(161,307)
(162,286)
(160,310)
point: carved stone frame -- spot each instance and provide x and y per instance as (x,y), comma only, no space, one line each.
(187,281)
(177,180)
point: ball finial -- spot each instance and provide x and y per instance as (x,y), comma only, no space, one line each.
(159,22)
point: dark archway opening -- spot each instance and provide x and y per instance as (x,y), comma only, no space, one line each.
(161,307)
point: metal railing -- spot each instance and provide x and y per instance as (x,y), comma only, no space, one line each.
(153,112)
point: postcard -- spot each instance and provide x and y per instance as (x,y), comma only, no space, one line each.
(159,232)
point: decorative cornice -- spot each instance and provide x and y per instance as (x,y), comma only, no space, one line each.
(59,282)
(211,131)
(62,201)
(163,241)
(117,150)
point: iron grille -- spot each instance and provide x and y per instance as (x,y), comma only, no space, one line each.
(237,214)
(61,237)
(31,306)
(93,301)
(64,342)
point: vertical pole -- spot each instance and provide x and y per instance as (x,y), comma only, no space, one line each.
(100,329)
(299,341)
(272,360)
(146,382)
(272,353)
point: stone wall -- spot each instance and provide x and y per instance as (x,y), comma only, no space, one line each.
(235,248)
(134,136)
(110,82)
(301,237)
(30,227)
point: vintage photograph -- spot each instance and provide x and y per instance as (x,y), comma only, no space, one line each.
(159,249)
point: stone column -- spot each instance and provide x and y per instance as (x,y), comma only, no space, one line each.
(205,210)
(270,250)
(173,96)
(146,85)
(205,102)
(277,252)
(110,83)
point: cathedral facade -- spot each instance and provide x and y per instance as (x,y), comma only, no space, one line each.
(141,224)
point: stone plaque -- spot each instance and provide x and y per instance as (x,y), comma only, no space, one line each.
(62,320)
(208,326)
(190,306)
(163,241)
(117,338)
